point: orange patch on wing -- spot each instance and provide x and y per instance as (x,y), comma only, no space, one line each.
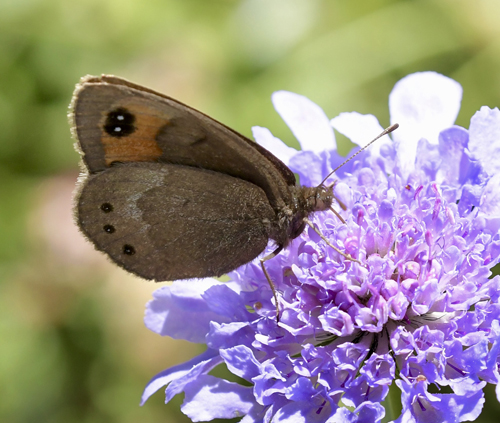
(141,145)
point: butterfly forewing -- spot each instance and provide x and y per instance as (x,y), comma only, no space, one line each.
(116,121)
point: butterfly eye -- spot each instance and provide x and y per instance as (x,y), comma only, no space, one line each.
(120,123)
(128,250)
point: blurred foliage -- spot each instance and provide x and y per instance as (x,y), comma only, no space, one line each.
(73,346)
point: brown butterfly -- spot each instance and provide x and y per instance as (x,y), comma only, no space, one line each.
(169,193)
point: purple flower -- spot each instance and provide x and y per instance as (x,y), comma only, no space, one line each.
(422,309)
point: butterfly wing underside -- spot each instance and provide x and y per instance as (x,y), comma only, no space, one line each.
(167,222)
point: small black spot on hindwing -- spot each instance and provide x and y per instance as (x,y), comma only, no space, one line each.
(119,123)
(109,229)
(106,207)
(128,250)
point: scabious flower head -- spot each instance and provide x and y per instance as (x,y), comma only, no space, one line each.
(422,309)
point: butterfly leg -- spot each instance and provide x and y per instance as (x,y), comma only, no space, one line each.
(340,203)
(269,280)
(338,215)
(347,256)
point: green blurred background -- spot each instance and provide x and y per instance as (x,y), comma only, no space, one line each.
(73,347)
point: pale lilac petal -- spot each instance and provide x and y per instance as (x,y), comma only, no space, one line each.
(226,335)
(266,139)
(177,372)
(423,104)
(421,406)
(178,385)
(490,200)
(255,415)
(452,144)
(309,167)
(367,412)
(212,398)
(306,120)
(173,306)
(241,361)
(301,412)
(223,301)
(484,139)
(361,129)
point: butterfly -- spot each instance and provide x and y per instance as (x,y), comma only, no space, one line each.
(169,193)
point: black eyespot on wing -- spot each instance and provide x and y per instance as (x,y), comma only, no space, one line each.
(128,250)
(120,123)
(106,207)
(109,229)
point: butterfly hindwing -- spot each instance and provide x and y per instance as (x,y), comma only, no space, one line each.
(166,222)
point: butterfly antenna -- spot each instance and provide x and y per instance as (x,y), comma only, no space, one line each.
(384,132)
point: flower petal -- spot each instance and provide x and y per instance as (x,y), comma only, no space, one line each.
(452,144)
(179,303)
(226,335)
(193,376)
(423,104)
(360,129)
(367,412)
(266,139)
(221,299)
(484,138)
(209,357)
(490,200)
(302,412)
(306,120)
(241,361)
(211,398)
(421,406)
(309,167)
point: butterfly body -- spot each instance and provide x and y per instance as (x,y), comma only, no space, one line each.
(169,193)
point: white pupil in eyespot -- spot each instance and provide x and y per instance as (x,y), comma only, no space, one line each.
(120,117)
(118,129)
